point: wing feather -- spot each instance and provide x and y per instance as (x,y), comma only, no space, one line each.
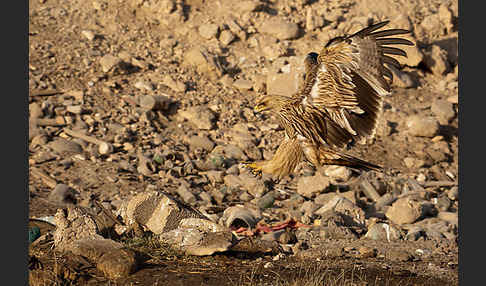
(346,84)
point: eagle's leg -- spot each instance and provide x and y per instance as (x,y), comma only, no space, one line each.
(288,155)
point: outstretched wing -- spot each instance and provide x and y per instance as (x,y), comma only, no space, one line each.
(346,82)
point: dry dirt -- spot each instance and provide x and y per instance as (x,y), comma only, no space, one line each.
(152,43)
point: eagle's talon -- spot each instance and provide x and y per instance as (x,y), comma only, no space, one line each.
(254,168)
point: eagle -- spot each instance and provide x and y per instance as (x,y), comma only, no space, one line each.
(340,101)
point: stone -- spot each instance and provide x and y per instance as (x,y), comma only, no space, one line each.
(280,28)
(185,193)
(401,78)
(208,30)
(443,110)
(339,173)
(309,207)
(144,85)
(285,79)
(75,109)
(442,203)
(398,255)
(201,141)
(243,84)
(226,37)
(414,233)
(310,186)
(215,176)
(35,110)
(352,214)
(176,86)
(453,193)
(245,6)
(414,55)
(108,62)
(61,145)
(273,51)
(366,252)
(205,62)
(450,217)
(62,194)
(383,231)
(88,34)
(313,20)
(202,117)
(404,211)
(436,60)
(422,126)
(117,263)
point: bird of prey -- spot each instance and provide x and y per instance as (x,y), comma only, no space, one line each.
(340,101)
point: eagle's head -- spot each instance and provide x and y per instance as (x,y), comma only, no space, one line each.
(271,103)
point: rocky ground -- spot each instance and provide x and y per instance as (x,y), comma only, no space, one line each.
(138,95)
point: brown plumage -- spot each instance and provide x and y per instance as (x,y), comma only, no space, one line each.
(340,101)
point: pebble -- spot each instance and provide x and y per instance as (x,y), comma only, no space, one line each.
(88,34)
(243,84)
(117,263)
(353,215)
(108,62)
(288,81)
(309,186)
(204,62)
(266,201)
(35,110)
(414,55)
(398,255)
(366,252)
(450,217)
(246,6)
(442,203)
(405,210)
(453,193)
(76,109)
(339,173)
(226,37)
(201,141)
(443,110)
(201,116)
(309,207)
(436,60)
(313,20)
(144,85)
(422,126)
(62,194)
(414,233)
(280,28)
(60,145)
(176,86)
(383,231)
(208,30)
(401,78)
